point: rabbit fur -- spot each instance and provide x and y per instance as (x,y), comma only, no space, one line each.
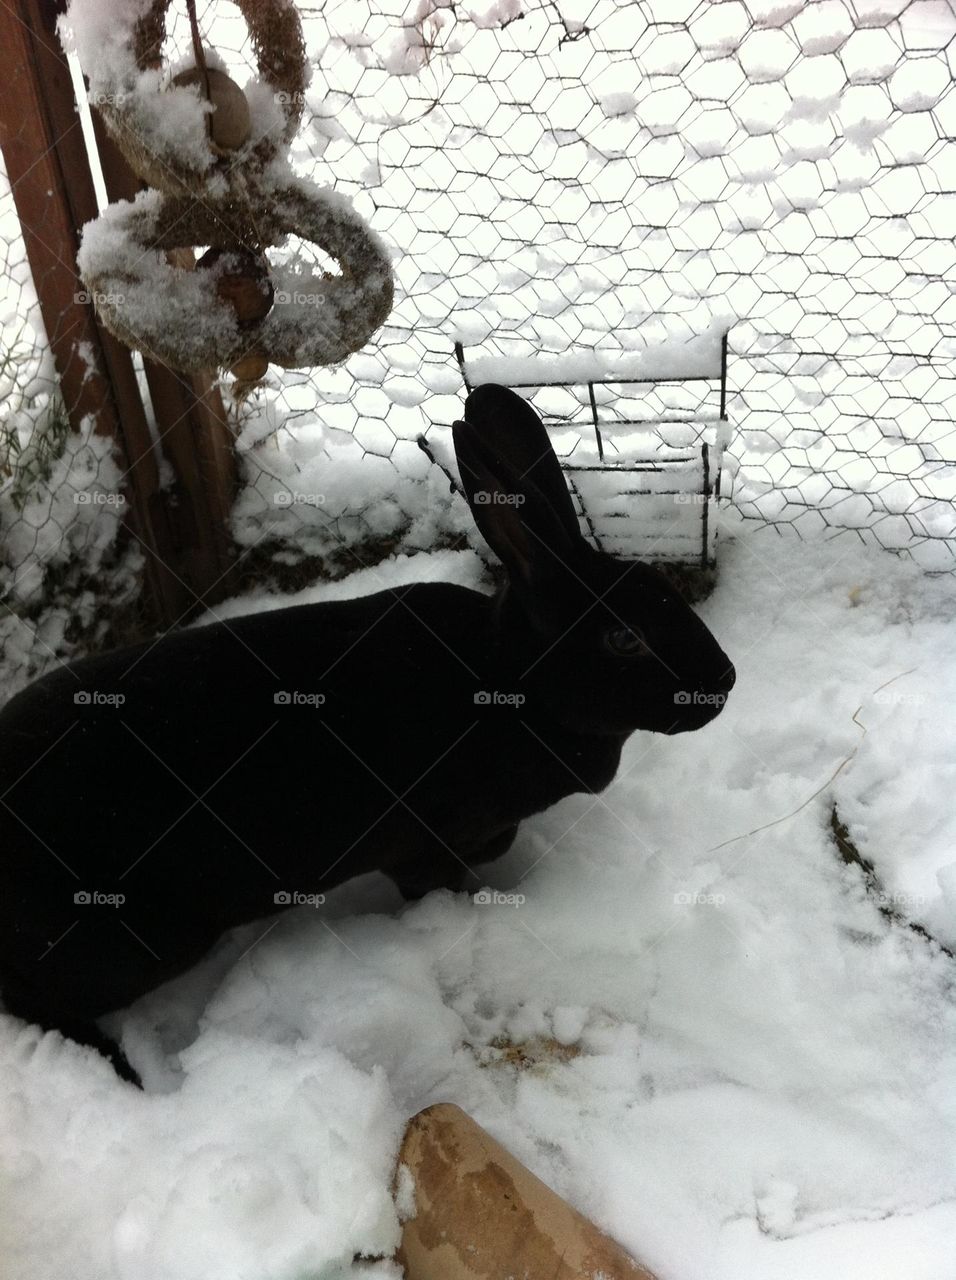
(420,725)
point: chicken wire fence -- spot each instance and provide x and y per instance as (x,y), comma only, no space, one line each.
(577,180)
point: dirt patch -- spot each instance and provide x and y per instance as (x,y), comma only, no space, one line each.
(537,1053)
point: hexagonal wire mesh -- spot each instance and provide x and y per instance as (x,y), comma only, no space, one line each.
(557,177)
(644,468)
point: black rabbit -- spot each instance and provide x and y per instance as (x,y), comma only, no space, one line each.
(156,796)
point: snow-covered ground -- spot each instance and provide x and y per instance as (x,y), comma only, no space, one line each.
(728,1057)
(689,1015)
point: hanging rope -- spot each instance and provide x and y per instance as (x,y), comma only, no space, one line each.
(200,59)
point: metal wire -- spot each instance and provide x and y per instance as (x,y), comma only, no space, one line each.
(554,178)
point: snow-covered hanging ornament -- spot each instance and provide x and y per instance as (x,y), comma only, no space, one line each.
(215,155)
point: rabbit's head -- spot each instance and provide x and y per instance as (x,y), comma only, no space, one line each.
(605,646)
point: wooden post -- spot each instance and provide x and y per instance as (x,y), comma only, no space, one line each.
(194,433)
(476,1213)
(182,531)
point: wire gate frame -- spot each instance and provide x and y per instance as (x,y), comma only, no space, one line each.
(709,467)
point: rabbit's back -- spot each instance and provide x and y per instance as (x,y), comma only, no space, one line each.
(153,798)
(202,778)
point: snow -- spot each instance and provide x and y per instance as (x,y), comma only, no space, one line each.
(318,492)
(760,1065)
(63,523)
(291,1175)
(172,120)
(73,512)
(673,358)
(150,294)
(168,119)
(496,14)
(739,1054)
(518,185)
(316,317)
(618,104)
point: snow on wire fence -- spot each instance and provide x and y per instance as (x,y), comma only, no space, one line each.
(557,176)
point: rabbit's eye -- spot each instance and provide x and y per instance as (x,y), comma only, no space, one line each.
(627,642)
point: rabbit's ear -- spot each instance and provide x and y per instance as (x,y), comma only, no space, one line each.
(514,433)
(513,516)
